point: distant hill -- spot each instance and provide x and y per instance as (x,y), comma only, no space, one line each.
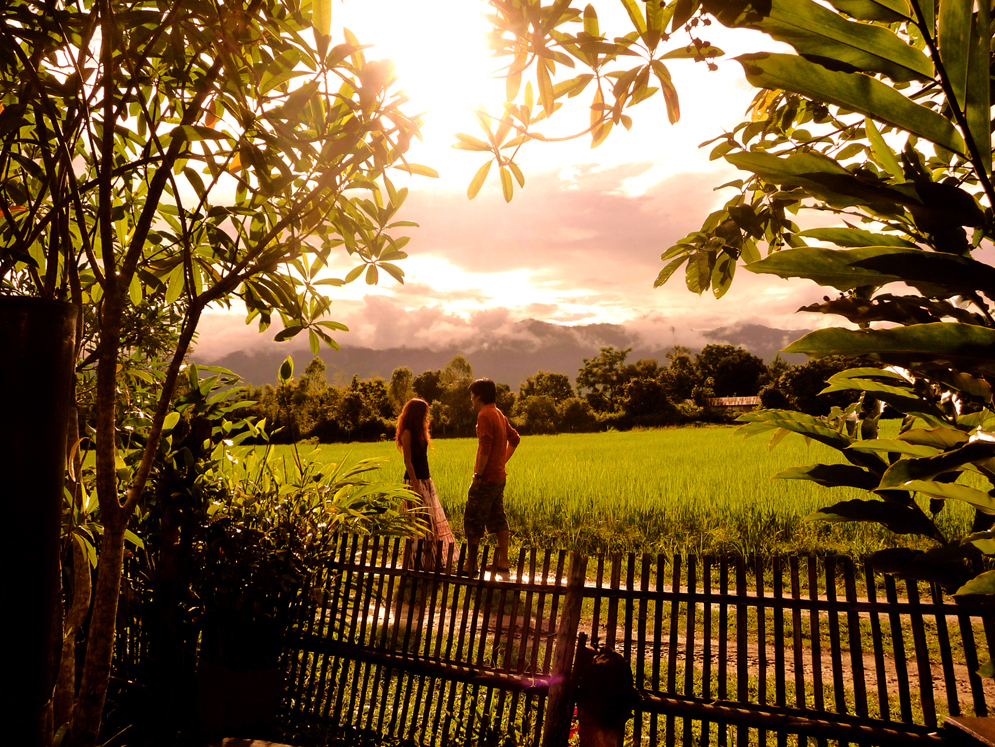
(764,342)
(533,346)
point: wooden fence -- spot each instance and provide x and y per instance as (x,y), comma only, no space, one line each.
(722,650)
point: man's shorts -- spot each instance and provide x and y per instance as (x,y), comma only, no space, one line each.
(484,509)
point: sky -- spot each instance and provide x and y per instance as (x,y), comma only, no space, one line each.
(581,242)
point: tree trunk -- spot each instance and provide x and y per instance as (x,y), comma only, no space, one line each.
(100,642)
(37,349)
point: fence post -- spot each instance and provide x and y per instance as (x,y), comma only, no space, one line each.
(556,724)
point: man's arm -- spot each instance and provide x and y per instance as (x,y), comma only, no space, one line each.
(485,443)
(483,454)
(513,440)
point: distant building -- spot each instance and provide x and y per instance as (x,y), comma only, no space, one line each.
(733,404)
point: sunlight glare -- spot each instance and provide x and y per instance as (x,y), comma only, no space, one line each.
(441,57)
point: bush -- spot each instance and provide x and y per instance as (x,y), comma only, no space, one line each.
(535,415)
(576,416)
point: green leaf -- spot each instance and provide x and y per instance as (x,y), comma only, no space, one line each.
(821,177)
(853,237)
(393,270)
(469,142)
(905,471)
(134,539)
(978,107)
(591,21)
(954,491)
(669,270)
(722,274)
(883,155)
(289,332)
(832,476)
(954,41)
(420,170)
(683,12)
(135,290)
(939,438)
(894,446)
(478,180)
(833,267)
(507,187)
(833,42)
(286,370)
(175,283)
(796,422)
(896,518)
(855,91)
(321,17)
(967,347)
(170,421)
(887,11)
(698,274)
(635,15)
(981,584)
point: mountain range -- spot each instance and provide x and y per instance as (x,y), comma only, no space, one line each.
(530,346)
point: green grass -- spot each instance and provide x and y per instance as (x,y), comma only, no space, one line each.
(679,490)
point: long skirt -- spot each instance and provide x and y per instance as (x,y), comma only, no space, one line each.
(432,555)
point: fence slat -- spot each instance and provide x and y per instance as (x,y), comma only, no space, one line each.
(723,640)
(796,633)
(612,623)
(971,659)
(946,655)
(835,645)
(689,634)
(898,648)
(918,624)
(706,635)
(640,668)
(742,651)
(815,634)
(854,637)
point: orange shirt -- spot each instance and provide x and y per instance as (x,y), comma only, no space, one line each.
(494,433)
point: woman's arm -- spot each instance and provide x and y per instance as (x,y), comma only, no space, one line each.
(406,451)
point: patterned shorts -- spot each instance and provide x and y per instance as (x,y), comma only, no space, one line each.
(484,509)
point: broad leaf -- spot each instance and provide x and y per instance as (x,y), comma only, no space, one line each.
(953,491)
(983,584)
(965,346)
(832,41)
(898,519)
(855,91)
(894,446)
(832,476)
(905,471)
(888,11)
(940,438)
(853,237)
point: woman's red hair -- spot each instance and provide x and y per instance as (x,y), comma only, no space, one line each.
(414,418)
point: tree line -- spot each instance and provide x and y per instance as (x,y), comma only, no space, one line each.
(609,393)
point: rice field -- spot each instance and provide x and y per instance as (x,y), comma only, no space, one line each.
(679,490)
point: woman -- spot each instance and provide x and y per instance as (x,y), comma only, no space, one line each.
(413,441)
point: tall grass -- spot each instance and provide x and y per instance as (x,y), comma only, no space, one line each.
(686,490)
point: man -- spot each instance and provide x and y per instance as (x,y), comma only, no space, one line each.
(496,442)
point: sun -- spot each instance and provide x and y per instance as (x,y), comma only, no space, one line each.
(442,61)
